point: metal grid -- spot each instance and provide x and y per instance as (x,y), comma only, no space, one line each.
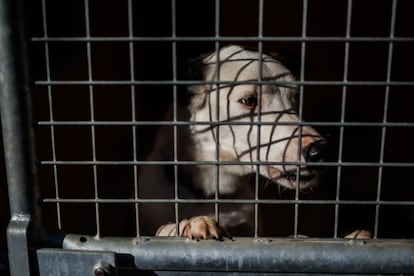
(91,84)
(218,40)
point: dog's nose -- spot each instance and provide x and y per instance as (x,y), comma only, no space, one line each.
(315,152)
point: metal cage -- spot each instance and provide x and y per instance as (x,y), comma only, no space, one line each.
(76,79)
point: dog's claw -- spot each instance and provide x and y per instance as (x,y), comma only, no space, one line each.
(201,227)
(359,235)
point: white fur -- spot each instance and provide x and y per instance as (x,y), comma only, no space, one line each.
(237,142)
(240,142)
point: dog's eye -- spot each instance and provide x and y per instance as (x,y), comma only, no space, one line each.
(249,101)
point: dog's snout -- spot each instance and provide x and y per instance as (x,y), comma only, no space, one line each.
(315,152)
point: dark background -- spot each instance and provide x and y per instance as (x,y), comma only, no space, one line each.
(153,61)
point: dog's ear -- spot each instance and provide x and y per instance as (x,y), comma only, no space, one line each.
(192,71)
(277,56)
(195,95)
(196,67)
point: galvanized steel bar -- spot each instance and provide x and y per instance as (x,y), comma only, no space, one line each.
(133,112)
(14,100)
(17,136)
(92,115)
(259,114)
(217,110)
(213,82)
(71,262)
(343,110)
(325,164)
(385,116)
(224,39)
(184,123)
(175,110)
(238,201)
(258,255)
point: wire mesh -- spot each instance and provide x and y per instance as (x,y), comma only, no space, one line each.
(135,81)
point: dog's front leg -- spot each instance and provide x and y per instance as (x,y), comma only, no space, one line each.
(200,227)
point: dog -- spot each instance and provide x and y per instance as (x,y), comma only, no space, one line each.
(242,121)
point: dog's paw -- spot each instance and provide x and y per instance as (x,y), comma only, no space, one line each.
(202,227)
(359,235)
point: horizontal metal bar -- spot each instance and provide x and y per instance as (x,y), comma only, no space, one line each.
(194,82)
(236,163)
(224,39)
(186,123)
(227,201)
(258,255)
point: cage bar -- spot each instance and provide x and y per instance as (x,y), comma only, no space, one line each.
(385,116)
(217,110)
(175,118)
(174,254)
(258,255)
(259,114)
(51,114)
(133,114)
(343,108)
(24,229)
(226,39)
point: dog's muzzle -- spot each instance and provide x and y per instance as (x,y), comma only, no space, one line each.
(307,175)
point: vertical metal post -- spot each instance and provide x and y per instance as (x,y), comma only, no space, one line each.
(17,137)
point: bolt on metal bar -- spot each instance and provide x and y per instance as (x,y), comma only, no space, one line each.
(258,255)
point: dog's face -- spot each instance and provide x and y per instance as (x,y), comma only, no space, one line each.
(258,122)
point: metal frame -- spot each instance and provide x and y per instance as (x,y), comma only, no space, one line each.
(24,226)
(101,254)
